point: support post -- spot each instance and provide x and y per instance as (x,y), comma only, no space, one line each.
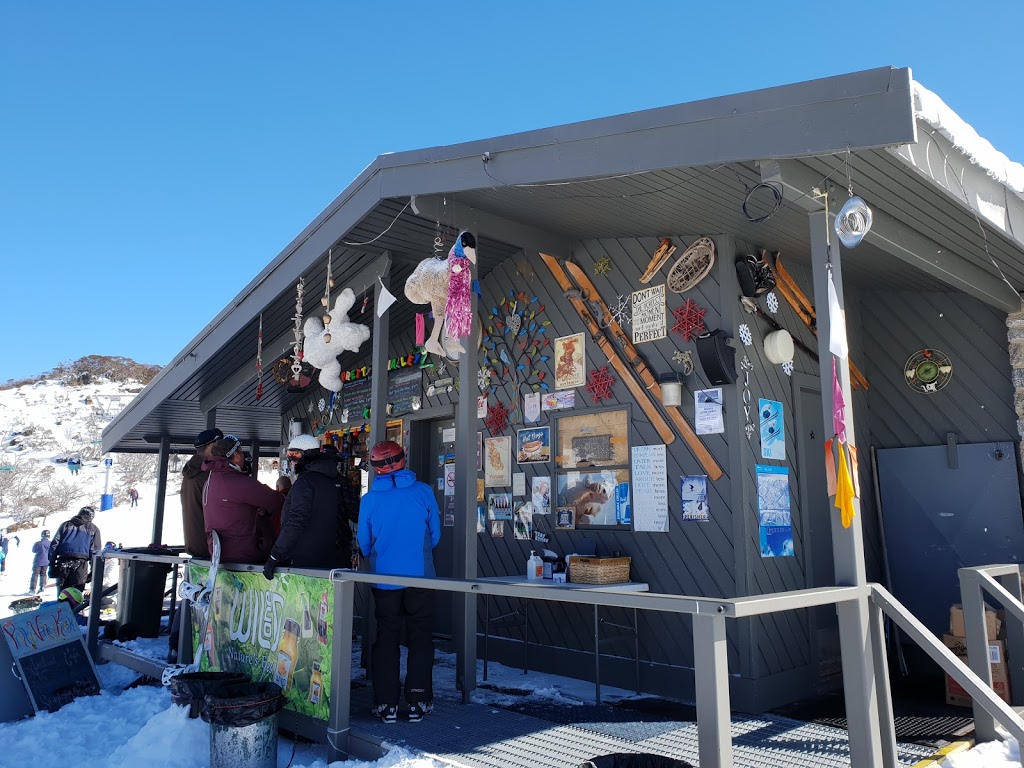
(161,490)
(847,543)
(973,603)
(464,609)
(1014,638)
(882,689)
(211,418)
(379,361)
(95,603)
(254,451)
(711,680)
(341,673)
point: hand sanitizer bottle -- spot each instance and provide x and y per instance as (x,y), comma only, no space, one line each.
(534,566)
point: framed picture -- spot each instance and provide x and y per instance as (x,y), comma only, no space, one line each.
(499,506)
(541,495)
(594,439)
(570,362)
(533,445)
(498,528)
(565,519)
(597,497)
(497,462)
(522,524)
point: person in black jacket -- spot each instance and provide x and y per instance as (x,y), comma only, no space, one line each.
(76,542)
(314,521)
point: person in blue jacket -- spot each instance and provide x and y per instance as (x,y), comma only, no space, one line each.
(40,562)
(399,526)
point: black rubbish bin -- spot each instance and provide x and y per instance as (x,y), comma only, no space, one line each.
(140,587)
(243,725)
(190,689)
(625,760)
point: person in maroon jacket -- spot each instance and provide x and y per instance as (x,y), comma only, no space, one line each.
(233,502)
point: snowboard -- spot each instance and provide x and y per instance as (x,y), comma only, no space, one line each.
(201,597)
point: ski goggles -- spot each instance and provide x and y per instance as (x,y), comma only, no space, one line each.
(235,447)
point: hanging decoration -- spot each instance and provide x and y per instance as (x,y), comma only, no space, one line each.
(685,359)
(773,302)
(326,340)
(787,367)
(515,344)
(283,375)
(622,312)
(845,493)
(928,370)
(458,315)
(661,254)
(745,335)
(497,418)
(259,362)
(689,320)
(421,329)
(385,300)
(321,404)
(296,366)
(838,406)
(746,366)
(430,283)
(693,266)
(599,384)
(602,266)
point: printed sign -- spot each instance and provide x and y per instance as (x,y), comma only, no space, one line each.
(533,445)
(541,495)
(570,363)
(773,514)
(277,631)
(448,435)
(708,418)
(650,488)
(648,314)
(519,484)
(694,493)
(773,430)
(481,407)
(499,506)
(497,461)
(531,407)
(522,525)
(555,401)
(448,518)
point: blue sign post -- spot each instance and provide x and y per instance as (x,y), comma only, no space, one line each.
(107,499)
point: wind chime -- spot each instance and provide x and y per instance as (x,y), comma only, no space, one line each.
(296,366)
(326,300)
(259,361)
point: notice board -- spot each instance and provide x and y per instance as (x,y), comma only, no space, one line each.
(404,386)
(50,657)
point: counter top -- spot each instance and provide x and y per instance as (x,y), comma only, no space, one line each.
(629,586)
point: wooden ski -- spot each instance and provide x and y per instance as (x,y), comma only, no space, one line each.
(798,300)
(640,368)
(665,250)
(604,341)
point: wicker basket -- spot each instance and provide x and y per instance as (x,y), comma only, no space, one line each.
(599,570)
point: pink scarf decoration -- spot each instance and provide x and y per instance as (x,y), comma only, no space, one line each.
(838,406)
(421,329)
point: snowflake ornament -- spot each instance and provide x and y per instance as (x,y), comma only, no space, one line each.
(602,266)
(787,367)
(310,406)
(689,320)
(599,384)
(497,418)
(772,301)
(321,405)
(483,378)
(441,369)
(745,335)
(622,312)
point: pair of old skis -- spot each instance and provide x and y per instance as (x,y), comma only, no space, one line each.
(629,363)
(798,300)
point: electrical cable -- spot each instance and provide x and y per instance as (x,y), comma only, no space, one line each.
(378,237)
(776,190)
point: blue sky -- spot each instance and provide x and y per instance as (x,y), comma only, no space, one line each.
(155,156)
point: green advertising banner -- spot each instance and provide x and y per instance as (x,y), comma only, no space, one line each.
(277,631)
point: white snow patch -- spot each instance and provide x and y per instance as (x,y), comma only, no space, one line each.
(991,754)
(929,108)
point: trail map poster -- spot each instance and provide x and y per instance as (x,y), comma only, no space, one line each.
(773,512)
(648,314)
(273,631)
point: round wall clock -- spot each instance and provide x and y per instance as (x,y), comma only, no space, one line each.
(928,370)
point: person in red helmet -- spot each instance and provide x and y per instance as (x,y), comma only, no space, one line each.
(399,526)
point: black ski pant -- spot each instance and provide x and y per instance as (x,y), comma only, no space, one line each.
(38,575)
(414,607)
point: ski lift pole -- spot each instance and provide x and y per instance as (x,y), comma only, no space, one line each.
(107,500)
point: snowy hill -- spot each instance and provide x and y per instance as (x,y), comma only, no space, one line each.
(42,425)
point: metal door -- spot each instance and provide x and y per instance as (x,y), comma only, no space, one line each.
(429,452)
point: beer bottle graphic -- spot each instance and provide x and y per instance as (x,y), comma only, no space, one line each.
(316,684)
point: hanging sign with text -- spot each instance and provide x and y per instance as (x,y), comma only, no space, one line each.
(648,314)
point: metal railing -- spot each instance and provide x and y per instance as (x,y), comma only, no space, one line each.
(710,653)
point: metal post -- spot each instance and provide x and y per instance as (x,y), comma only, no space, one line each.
(887,723)
(711,680)
(1014,638)
(379,361)
(597,656)
(95,601)
(161,490)
(847,543)
(636,649)
(254,451)
(487,631)
(977,647)
(185,655)
(211,418)
(341,673)
(526,637)
(464,608)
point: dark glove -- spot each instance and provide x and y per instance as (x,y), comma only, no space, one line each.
(270,567)
(51,572)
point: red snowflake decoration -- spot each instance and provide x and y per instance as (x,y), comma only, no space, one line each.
(599,384)
(689,320)
(497,418)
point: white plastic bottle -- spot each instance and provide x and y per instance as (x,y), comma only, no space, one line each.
(534,566)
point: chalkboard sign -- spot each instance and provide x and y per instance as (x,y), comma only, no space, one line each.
(355,397)
(404,384)
(58,676)
(50,657)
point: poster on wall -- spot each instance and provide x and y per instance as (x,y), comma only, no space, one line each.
(497,462)
(693,490)
(650,488)
(556,401)
(648,314)
(499,506)
(481,520)
(279,631)
(481,407)
(522,523)
(773,513)
(497,529)
(707,409)
(570,363)
(531,408)
(565,519)
(533,445)
(449,493)
(519,484)
(597,497)
(541,495)
(773,429)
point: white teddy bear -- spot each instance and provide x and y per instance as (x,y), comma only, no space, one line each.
(322,345)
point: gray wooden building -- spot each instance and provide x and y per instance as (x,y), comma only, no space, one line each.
(940,269)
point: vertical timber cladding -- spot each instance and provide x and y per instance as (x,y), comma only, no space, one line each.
(692,558)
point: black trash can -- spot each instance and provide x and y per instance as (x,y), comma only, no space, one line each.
(190,689)
(140,591)
(243,725)
(626,760)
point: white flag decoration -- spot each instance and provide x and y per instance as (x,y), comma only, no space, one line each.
(837,343)
(385,301)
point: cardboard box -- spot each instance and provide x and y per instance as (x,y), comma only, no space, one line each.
(993,622)
(955,694)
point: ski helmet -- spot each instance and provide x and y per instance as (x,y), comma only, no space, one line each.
(387,456)
(72,596)
(304,443)
(46,533)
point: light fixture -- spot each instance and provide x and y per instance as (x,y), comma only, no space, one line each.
(671,389)
(779,347)
(853,222)
(294,427)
